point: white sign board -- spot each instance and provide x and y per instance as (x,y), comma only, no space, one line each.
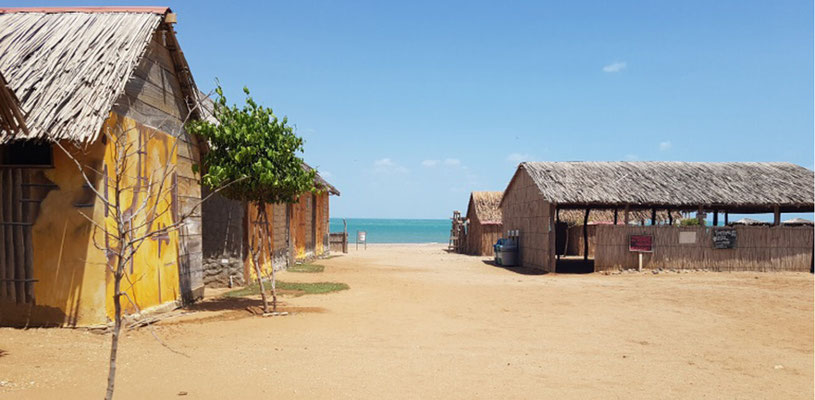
(361,236)
(687,237)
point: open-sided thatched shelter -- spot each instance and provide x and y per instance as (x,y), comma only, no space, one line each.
(484,224)
(80,73)
(540,190)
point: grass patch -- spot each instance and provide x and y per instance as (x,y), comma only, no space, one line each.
(293,288)
(308,268)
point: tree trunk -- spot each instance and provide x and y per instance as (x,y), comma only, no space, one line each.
(269,247)
(117,325)
(255,255)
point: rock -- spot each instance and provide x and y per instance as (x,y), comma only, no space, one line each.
(778,366)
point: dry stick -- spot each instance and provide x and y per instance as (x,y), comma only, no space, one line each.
(256,258)
(271,262)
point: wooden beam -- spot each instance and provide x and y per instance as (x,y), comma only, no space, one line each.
(653,216)
(625,214)
(699,216)
(670,218)
(557,223)
(586,236)
(615,216)
(776,216)
(726,215)
(715,217)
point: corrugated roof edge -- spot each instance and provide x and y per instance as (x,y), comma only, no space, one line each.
(98,9)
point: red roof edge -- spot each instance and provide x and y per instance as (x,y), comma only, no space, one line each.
(98,9)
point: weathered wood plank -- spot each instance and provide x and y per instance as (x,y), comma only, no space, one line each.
(4,273)
(157,97)
(19,246)
(148,115)
(28,243)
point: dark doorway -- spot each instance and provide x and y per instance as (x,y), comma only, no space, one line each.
(574,265)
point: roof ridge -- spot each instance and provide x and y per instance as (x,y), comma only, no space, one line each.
(86,9)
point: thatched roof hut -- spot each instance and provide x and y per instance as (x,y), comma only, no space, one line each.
(736,186)
(484,223)
(80,74)
(541,194)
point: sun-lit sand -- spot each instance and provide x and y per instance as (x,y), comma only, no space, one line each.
(421,323)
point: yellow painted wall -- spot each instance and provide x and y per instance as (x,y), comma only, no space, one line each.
(256,236)
(74,285)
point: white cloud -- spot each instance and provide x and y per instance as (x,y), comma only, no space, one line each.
(384,162)
(517,158)
(388,166)
(615,66)
(453,162)
(666,145)
(430,163)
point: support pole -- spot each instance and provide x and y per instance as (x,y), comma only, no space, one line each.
(557,224)
(653,216)
(615,216)
(715,217)
(725,218)
(670,217)
(776,216)
(586,235)
(699,216)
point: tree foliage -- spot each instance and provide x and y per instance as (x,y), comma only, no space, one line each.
(253,152)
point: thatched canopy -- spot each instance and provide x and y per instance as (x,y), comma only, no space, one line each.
(69,65)
(575,216)
(11,117)
(749,222)
(733,186)
(798,222)
(486,206)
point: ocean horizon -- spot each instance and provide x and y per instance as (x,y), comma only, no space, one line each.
(395,230)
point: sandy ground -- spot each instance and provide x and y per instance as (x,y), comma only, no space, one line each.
(421,323)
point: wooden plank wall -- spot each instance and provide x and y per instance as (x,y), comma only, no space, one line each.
(758,248)
(480,238)
(18,205)
(154,98)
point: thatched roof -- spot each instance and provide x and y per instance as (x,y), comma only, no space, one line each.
(798,221)
(747,186)
(485,205)
(575,216)
(11,117)
(69,65)
(749,221)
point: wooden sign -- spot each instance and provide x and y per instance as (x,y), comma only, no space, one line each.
(641,243)
(724,238)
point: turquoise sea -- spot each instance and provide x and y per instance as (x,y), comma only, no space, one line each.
(395,230)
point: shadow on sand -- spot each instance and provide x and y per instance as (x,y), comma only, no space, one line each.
(517,270)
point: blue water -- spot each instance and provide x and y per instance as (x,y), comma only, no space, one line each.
(395,230)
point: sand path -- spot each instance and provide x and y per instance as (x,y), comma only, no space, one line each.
(421,323)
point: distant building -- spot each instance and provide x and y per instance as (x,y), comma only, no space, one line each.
(484,224)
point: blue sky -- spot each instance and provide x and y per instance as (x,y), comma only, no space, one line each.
(408,106)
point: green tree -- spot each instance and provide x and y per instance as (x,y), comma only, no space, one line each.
(252,156)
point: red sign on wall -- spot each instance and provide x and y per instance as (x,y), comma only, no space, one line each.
(641,243)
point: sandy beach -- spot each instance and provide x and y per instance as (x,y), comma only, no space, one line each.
(418,322)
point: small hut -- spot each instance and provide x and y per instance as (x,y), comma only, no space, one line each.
(539,191)
(82,74)
(484,224)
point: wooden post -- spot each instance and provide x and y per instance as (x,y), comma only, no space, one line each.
(625,214)
(345,235)
(699,216)
(715,217)
(653,216)
(670,217)
(557,223)
(776,216)
(586,235)
(615,216)
(725,218)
